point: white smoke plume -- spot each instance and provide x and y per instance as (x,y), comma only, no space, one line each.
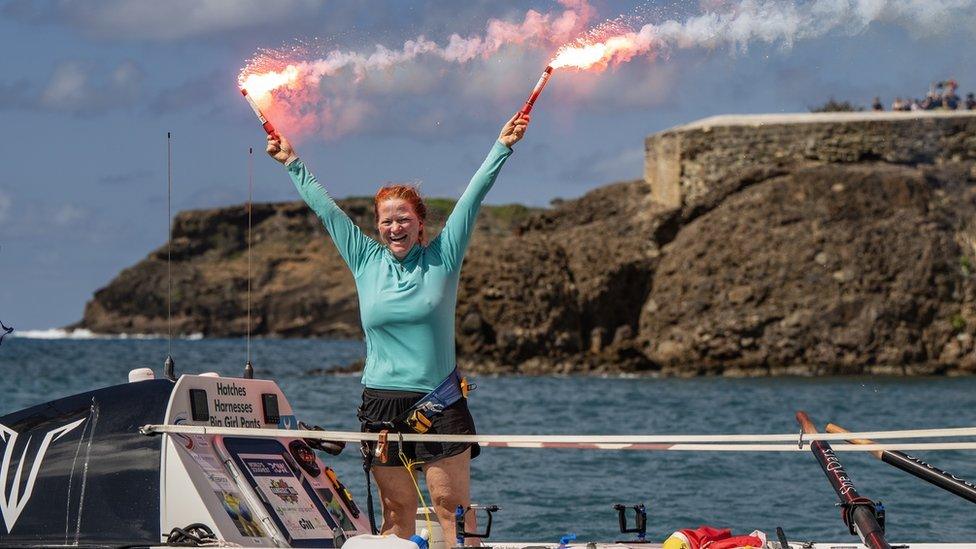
(738,24)
(536,29)
(785,23)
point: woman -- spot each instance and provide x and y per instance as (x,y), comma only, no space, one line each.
(407,295)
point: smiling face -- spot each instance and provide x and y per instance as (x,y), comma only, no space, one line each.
(399,226)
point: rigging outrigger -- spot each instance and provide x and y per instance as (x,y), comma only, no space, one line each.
(231,466)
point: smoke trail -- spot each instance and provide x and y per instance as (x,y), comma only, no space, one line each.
(737,25)
(778,22)
(322,93)
(537,29)
(301,106)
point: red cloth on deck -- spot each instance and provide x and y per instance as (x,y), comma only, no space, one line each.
(709,537)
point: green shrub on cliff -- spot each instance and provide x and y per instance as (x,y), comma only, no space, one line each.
(833,105)
(957,322)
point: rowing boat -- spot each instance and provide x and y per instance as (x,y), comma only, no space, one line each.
(220,460)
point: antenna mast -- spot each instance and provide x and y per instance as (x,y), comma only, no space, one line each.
(169,365)
(248,368)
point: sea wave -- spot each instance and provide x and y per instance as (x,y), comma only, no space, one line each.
(61,333)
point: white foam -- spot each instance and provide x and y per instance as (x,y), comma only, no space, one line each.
(61,333)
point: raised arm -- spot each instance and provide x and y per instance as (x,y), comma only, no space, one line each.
(453,240)
(353,245)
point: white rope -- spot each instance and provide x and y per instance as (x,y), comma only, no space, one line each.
(617,442)
(841,447)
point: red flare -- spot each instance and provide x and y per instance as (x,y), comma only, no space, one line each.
(264,121)
(540,85)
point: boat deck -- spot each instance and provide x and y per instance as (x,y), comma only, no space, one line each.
(771,545)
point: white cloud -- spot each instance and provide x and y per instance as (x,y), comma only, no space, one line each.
(69,214)
(80,86)
(177,19)
(68,86)
(603,166)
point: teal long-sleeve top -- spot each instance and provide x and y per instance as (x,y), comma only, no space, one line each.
(407,306)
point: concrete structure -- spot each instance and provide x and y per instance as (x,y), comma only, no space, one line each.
(683,164)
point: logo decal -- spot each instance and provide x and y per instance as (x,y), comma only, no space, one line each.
(281,489)
(5,331)
(11,505)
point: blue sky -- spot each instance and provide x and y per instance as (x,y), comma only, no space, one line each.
(89,89)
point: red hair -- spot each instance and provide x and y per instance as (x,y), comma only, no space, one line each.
(408,193)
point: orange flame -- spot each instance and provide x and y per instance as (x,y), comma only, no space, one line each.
(614,40)
(259,85)
(583,54)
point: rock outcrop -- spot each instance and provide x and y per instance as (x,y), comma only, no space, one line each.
(755,246)
(300,286)
(845,269)
(837,243)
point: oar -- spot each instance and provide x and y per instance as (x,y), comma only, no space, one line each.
(858,511)
(917,467)
(783,543)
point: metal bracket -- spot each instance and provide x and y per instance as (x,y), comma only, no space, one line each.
(640,521)
(461,534)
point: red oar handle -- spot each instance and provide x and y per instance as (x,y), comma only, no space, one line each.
(805,423)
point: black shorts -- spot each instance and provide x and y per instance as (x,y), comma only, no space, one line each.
(386,405)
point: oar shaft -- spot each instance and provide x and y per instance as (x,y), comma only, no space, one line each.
(867,524)
(918,468)
(831,465)
(924,471)
(861,515)
(835,472)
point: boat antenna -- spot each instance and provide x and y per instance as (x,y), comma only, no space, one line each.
(169,365)
(248,368)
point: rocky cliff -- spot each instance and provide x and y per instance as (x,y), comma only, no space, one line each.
(754,246)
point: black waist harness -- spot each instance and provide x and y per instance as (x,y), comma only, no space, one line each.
(420,416)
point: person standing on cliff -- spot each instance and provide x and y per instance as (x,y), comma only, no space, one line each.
(407,288)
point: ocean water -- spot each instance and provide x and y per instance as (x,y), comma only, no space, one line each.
(547,493)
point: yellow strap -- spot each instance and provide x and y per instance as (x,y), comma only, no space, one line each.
(419,422)
(409,465)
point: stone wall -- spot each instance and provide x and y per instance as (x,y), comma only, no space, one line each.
(686,165)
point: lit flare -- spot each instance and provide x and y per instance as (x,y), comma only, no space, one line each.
(540,85)
(584,54)
(260,84)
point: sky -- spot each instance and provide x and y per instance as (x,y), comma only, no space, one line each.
(89,90)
